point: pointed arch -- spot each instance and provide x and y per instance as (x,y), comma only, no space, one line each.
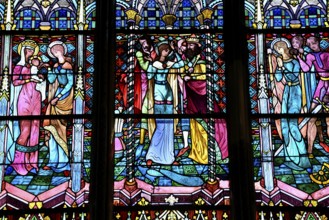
(91,15)
(278,17)
(175,4)
(123,4)
(311,16)
(214,3)
(28,18)
(249,13)
(56,5)
(62,19)
(35,8)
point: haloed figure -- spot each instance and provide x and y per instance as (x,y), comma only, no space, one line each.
(28,104)
(288,67)
(60,99)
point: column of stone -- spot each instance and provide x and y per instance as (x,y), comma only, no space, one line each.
(78,106)
(263,103)
(4,92)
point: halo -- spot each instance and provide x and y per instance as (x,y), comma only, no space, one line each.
(57,42)
(35,57)
(30,44)
(277,40)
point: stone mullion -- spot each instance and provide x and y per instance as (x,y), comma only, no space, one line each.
(4,92)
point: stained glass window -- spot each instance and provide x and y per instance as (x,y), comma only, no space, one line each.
(287,88)
(170,147)
(172,109)
(286,14)
(46,107)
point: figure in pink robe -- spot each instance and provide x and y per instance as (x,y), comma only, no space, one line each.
(28,104)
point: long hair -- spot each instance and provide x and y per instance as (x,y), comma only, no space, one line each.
(161,48)
(284,46)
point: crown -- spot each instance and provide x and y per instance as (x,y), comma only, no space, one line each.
(29,43)
(192,39)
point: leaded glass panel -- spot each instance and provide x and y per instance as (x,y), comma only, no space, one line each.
(286,14)
(170,145)
(289,127)
(46,105)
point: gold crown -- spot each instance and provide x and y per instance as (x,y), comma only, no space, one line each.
(29,43)
(192,39)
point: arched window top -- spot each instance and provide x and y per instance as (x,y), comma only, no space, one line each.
(159,14)
(28,19)
(91,15)
(249,13)
(312,17)
(293,13)
(218,17)
(50,15)
(278,18)
(151,15)
(91,18)
(62,19)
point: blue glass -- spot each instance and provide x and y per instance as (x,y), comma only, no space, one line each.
(186,3)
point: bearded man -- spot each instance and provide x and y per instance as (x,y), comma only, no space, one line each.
(196,103)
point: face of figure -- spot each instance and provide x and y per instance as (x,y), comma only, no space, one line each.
(191,46)
(28,52)
(297,43)
(280,50)
(281,47)
(191,51)
(313,44)
(35,62)
(146,47)
(57,50)
(181,46)
(165,52)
